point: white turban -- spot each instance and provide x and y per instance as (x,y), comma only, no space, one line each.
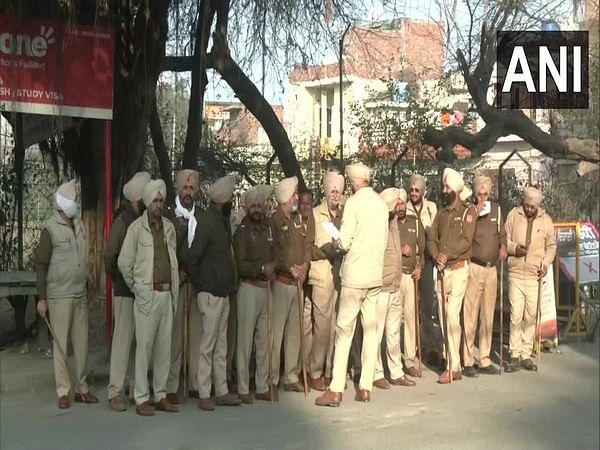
(358,171)
(252,196)
(221,191)
(390,197)
(266,190)
(482,181)
(403,195)
(186,175)
(465,194)
(532,195)
(418,180)
(134,188)
(66,198)
(453,179)
(285,189)
(152,189)
(333,180)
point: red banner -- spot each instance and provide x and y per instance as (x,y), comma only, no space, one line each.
(48,67)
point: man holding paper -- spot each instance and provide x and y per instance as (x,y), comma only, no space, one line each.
(328,219)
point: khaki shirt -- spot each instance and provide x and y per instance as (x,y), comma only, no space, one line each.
(292,243)
(452,233)
(489,236)
(321,269)
(392,259)
(162,267)
(412,233)
(426,213)
(253,247)
(113,247)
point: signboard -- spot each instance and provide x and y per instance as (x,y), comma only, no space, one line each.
(549,327)
(589,254)
(48,67)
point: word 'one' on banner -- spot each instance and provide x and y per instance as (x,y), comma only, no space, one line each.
(49,67)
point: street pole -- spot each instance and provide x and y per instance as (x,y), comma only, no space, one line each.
(341,72)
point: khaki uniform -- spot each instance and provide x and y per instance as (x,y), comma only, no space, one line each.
(253,249)
(185,295)
(307,313)
(430,334)
(451,234)
(211,269)
(292,244)
(324,294)
(122,354)
(363,235)
(392,275)
(537,235)
(61,280)
(148,262)
(480,297)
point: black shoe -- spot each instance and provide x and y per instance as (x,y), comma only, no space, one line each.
(489,370)
(513,365)
(528,364)
(193,394)
(470,371)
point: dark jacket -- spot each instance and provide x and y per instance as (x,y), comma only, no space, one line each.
(210,264)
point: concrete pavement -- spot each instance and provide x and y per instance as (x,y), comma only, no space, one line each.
(555,408)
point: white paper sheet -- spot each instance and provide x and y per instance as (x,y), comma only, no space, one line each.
(331,230)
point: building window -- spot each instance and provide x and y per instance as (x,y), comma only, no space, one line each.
(329,111)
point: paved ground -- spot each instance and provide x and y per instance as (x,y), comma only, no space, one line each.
(555,408)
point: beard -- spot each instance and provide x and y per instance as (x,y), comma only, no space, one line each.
(294,208)
(256,217)
(187,201)
(401,214)
(448,197)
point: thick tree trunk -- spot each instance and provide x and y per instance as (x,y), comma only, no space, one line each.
(162,154)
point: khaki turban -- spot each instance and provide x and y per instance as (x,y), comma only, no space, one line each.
(466,194)
(333,180)
(390,197)
(254,195)
(266,190)
(532,195)
(221,191)
(186,175)
(358,171)
(285,189)
(482,181)
(134,188)
(403,195)
(453,179)
(152,189)
(417,180)
(68,190)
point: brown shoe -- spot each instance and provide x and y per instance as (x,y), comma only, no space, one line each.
(445,376)
(381,383)
(229,399)
(329,398)
(117,404)
(64,402)
(166,406)
(402,381)
(246,398)
(293,387)
(412,372)
(266,396)
(317,384)
(145,409)
(206,404)
(172,399)
(362,395)
(86,397)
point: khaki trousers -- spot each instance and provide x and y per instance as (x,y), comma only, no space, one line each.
(212,360)
(522,294)
(307,330)
(177,341)
(286,330)
(323,300)
(252,326)
(69,319)
(195,332)
(383,306)
(406,304)
(232,327)
(352,303)
(455,285)
(480,303)
(153,344)
(122,353)
(431,338)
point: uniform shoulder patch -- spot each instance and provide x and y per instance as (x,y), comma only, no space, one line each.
(469,218)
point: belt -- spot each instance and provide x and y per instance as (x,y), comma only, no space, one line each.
(286,279)
(481,263)
(407,271)
(457,265)
(161,287)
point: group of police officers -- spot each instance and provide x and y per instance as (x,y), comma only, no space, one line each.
(317,287)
